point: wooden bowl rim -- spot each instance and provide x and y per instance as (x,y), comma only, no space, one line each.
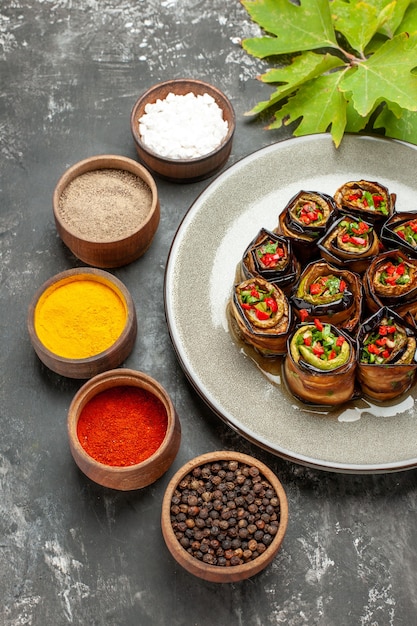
(116,378)
(150,96)
(215,572)
(100,162)
(92,272)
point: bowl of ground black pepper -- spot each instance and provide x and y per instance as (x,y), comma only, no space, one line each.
(124,432)
(82,322)
(183,129)
(224,516)
(106,210)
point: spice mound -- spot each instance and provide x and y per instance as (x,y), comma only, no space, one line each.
(183,126)
(105,204)
(225,513)
(79,317)
(122,426)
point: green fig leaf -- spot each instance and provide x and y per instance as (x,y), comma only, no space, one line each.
(293,27)
(386,75)
(338,65)
(355,123)
(390,26)
(359,26)
(304,67)
(328,112)
(409,23)
(404,128)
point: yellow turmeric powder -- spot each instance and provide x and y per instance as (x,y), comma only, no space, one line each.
(79,317)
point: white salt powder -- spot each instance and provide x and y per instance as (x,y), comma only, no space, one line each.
(183,127)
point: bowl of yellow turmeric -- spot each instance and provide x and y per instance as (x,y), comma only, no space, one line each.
(82,322)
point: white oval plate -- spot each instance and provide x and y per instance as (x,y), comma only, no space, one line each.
(359,438)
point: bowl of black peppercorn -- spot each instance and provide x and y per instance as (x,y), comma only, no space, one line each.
(224,516)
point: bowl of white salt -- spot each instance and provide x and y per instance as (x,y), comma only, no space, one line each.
(106,210)
(183,129)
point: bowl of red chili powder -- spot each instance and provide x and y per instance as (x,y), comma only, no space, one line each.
(124,432)
(224,516)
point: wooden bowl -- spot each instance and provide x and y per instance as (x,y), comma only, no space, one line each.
(80,364)
(134,476)
(218,572)
(120,228)
(183,170)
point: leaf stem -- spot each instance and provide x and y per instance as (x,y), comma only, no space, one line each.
(352,59)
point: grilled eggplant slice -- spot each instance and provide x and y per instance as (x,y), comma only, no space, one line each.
(262,316)
(351,243)
(386,354)
(391,280)
(270,256)
(366,199)
(400,231)
(320,365)
(304,220)
(330,294)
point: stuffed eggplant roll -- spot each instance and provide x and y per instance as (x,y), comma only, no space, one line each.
(366,199)
(262,316)
(320,365)
(391,280)
(350,243)
(270,256)
(305,219)
(330,294)
(400,231)
(386,355)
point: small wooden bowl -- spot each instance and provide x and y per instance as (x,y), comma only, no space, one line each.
(134,476)
(222,573)
(84,367)
(183,170)
(122,249)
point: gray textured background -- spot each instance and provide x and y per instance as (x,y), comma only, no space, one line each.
(72,552)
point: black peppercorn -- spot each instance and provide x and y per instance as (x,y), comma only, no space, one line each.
(243,533)
(210,559)
(226,544)
(235,560)
(225,513)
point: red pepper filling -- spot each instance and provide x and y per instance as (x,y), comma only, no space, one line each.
(368,200)
(321,341)
(395,274)
(261,302)
(408,232)
(270,254)
(327,285)
(378,346)
(310,213)
(356,233)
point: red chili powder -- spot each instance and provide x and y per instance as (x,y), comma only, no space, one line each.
(122,425)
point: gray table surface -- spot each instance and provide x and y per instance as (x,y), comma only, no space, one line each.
(72,552)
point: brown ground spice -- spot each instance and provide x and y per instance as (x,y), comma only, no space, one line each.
(105,205)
